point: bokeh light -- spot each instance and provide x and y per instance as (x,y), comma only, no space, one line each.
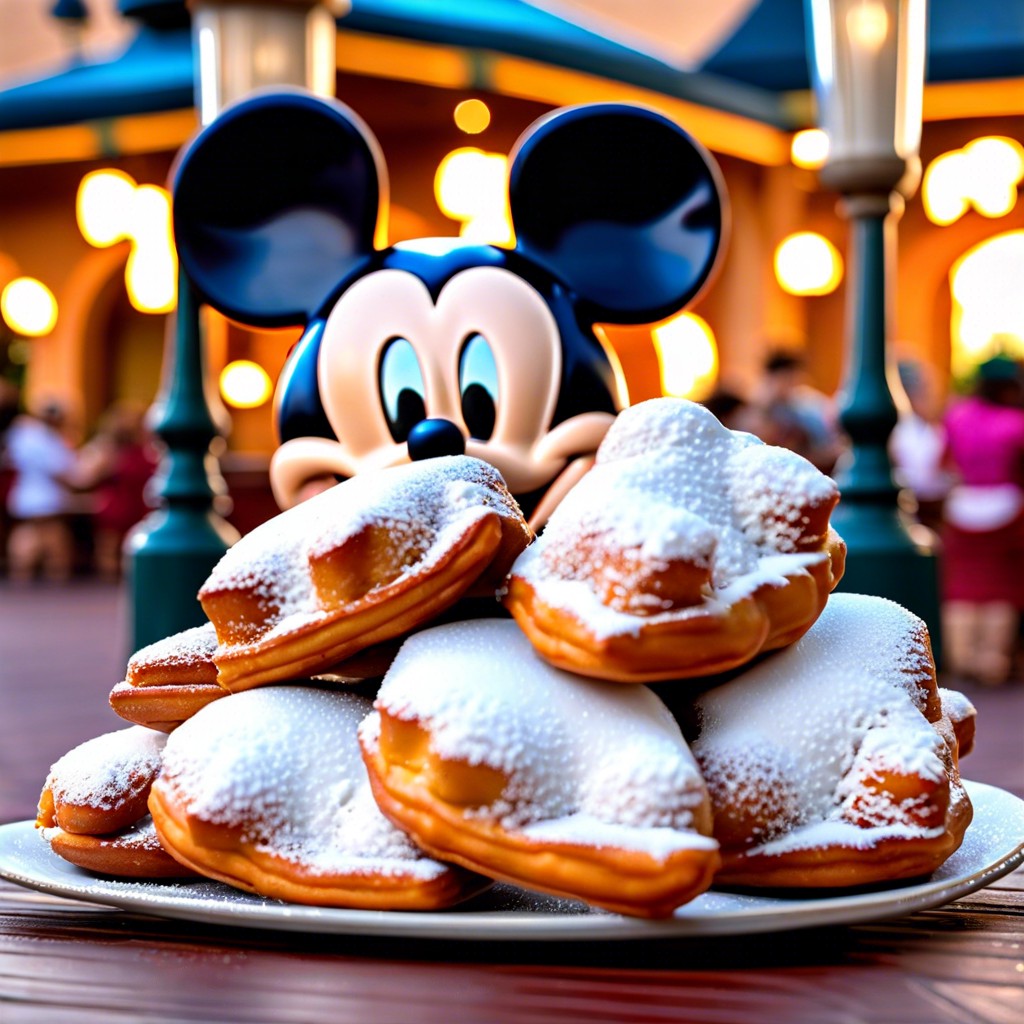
(470,186)
(472,116)
(809,148)
(807,263)
(245,384)
(103,206)
(984,175)
(28,307)
(688,356)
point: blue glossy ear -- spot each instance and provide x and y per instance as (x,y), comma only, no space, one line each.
(275,202)
(622,205)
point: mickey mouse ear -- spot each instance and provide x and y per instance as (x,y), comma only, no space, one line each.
(622,205)
(274,203)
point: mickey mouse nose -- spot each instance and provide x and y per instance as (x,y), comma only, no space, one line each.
(432,438)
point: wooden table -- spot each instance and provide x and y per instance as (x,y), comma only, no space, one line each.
(63,961)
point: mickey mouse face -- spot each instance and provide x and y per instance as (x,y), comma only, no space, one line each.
(438,347)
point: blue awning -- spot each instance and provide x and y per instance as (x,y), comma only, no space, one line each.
(763,58)
(154,73)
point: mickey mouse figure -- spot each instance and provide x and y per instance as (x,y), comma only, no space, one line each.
(437,346)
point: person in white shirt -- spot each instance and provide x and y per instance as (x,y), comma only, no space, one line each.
(40,499)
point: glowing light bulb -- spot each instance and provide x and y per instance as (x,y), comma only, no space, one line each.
(688,356)
(868,24)
(807,263)
(472,116)
(102,206)
(245,384)
(470,187)
(29,307)
(809,148)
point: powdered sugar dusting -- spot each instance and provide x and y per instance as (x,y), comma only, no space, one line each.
(108,770)
(586,761)
(283,764)
(438,499)
(671,483)
(181,649)
(795,736)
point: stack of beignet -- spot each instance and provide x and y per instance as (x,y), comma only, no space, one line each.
(491,751)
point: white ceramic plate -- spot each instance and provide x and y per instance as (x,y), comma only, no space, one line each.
(992,847)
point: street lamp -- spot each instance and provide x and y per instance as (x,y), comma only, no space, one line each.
(240,45)
(867,66)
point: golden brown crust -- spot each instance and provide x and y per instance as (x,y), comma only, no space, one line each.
(121,855)
(426,795)
(226,855)
(162,706)
(385,575)
(712,638)
(384,613)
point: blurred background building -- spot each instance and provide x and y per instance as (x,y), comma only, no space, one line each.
(96,97)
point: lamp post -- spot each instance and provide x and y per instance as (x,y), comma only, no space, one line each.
(240,45)
(867,64)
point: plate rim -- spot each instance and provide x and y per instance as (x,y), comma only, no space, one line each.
(237,909)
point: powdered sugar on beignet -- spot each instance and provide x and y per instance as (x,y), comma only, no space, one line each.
(101,785)
(835,744)
(267,791)
(360,563)
(527,766)
(683,530)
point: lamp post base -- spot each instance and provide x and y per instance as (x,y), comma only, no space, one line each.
(170,555)
(885,560)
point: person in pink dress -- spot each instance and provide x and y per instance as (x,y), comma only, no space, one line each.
(983,525)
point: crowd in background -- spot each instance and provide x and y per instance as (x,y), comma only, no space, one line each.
(68,508)
(959,460)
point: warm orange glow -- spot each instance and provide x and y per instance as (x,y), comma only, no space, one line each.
(984,175)
(807,263)
(110,208)
(470,187)
(868,24)
(245,384)
(809,149)
(988,304)
(28,307)
(687,355)
(472,116)
(102,206)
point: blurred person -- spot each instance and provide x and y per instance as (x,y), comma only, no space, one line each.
(917,446)
(115,466)
(40,500)
(790,413)
(983,525)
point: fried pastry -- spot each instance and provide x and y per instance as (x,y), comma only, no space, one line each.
(491,758)
(92,809)
(687,550)
(268,793)
(359,564)
(831,763)
(170,680)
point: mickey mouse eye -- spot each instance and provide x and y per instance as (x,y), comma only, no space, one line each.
(478,383)
(401,388)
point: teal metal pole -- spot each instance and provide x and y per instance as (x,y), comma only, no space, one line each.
(884,558)
(171,552)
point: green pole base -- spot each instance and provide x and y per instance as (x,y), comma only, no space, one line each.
(884,560)
(169,556)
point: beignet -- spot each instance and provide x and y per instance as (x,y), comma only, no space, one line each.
(491,758)
(687,550)
(359,564)
(830,763)
(267,792)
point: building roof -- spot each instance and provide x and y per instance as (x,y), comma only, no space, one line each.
(750,73)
